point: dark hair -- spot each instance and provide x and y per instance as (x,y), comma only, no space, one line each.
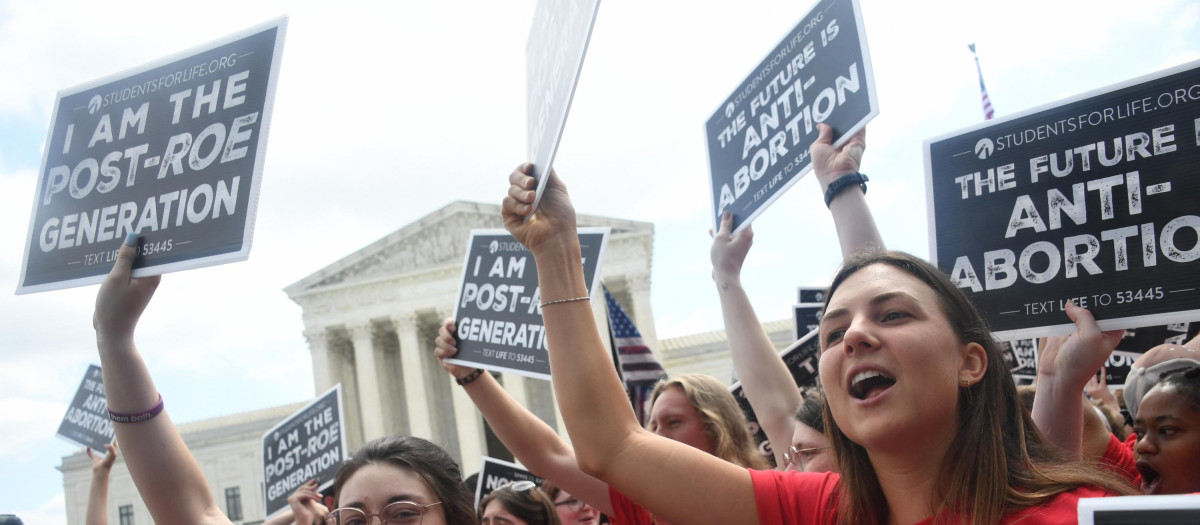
(428,461)
(550,489)
(1187,380)
(998,461)
(810,412)
(532,506)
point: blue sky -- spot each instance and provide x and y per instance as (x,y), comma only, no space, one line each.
(385,114)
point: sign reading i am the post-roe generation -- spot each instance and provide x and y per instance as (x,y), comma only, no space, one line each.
(86,421)
(498,315)
(1093,200)
(309,444)
(558,42)
(172,151)
(758,138)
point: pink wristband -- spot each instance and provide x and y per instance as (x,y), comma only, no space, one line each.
(138,417)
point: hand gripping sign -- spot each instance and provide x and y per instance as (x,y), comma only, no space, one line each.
(758,138)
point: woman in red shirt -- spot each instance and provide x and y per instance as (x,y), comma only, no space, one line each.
(922,426)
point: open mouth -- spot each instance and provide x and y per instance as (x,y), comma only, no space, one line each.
(1151,479)
(870,383)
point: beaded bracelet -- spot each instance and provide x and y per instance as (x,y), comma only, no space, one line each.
(144,415)
(467,379)
(571,300)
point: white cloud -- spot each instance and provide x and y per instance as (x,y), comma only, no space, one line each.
(52,512)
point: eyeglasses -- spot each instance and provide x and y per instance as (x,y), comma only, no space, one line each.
(796,457)
(396,513)
(517,486)
(573,504)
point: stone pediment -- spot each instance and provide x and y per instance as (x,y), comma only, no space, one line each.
(434,241)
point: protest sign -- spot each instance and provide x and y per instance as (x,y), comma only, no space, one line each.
(498,314)
(172,151)
(310,444)
(558,41)
(801,360)
(1138,510)
(1138,341)
(496,473)
(1091,200)
(758,138)
(811,295)
(1021,358)
(806,317)
(86,422)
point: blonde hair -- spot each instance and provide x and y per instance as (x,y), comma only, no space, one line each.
(724,422)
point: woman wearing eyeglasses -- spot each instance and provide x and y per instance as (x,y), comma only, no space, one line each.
(518,503)
(399,480)
(571,510)
(791,421)
(405,481)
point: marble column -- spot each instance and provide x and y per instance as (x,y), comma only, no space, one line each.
(370,405)
(639,292)
(415,392)
(327,366)
(471,440)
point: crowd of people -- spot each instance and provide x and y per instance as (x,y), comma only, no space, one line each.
(917,419)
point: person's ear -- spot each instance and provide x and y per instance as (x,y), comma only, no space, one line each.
(974,364)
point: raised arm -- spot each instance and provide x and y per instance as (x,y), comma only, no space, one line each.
(852,218)
(168,478)
(530,439)
(1064,366)
(674,481)
(765,378)
(97,506)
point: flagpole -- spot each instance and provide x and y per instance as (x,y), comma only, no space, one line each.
(988,111)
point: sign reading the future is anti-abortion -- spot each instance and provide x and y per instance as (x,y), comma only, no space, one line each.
(310,444)
(172,151)
(558,42)
(498,314)
(1091,200)
(758,138)
(86,422)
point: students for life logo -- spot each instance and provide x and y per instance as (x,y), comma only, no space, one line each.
(984,148)
(94,104)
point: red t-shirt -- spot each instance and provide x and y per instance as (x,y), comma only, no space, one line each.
(1120,457)
(626,512)
(794,498)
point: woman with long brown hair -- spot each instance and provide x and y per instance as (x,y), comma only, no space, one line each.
(924,424)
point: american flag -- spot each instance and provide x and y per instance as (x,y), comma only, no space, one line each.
(988,112)
(639,367)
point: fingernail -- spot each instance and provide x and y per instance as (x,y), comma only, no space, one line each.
(726,214)
(131,239)
(529,195)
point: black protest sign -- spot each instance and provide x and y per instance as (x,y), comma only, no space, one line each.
(1173,509)
(310,444)
(496,473)
(1137,341)
(1091,200)
(558,41)
(1021,358)
(499,313)
(172,151)
(86,421)
(811,295)
(801,360)
(758,138)
(806,317)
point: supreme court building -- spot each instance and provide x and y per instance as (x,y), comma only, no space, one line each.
(370,320)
